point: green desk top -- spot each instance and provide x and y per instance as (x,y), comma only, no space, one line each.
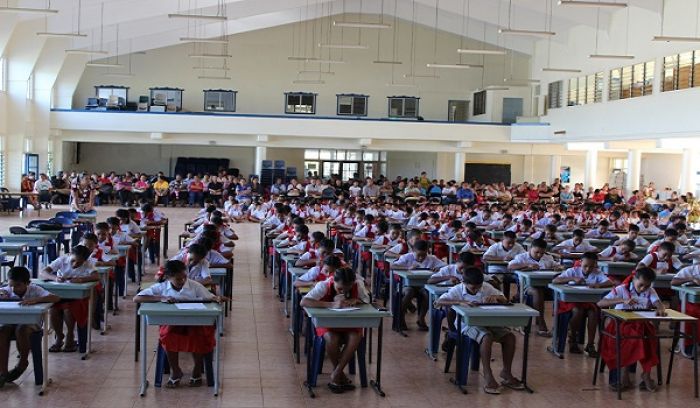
(218,271)
(51,285)
(690,290)
(170,309)
(364,311)
(437,290)
(579,289)
(515,310)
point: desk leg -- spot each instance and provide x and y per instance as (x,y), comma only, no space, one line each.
(526,349)
(217,357)
(165,240)
(618,363)
(137,335)
(45,353)
(674,344)
(399,303)
(295,325)
(107,294)
(695,357)
(144,363)
(431,328)
(394,315)
(309,358)
(88,349)
(274,269)
(459,378)
(450,254)
(377,382)
(371,275)
(554,348)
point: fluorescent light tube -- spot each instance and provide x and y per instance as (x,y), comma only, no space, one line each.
(212,77)
(667,38)
(61,35)
(351,24)
(387,62)
(87,52)
(536,33)
(204,40)
(453,66)
(103,65)
(480,52)
(327,61)
(309,81)
(118,74)
(304,72)
(343,46)
(213,68)
(496,88)
(522,80)
(27,10)
(209,56)
(583,3)
(198,16)
(402,85)
(429,76)
(567,70)
(301,58)
(610,56)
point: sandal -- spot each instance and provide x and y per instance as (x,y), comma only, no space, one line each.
(173,382)
(544,333)
(513,384)
(335,388)
(647,386)
(15,373)
(492,390)
(70,347)
(56,347)
(195,382)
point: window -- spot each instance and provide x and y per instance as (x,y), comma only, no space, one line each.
(105,91)
(585,89)
(352,105)
(2,162)
(479,103)
(300,103)
(631,81)
(345,163)
(403,107)
(457,111)
(219,100)
(680,71)
(555,95)
(3,74)
(166,99)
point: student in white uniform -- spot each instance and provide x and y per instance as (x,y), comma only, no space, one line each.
(197,265)
(472,292)
(19,289)
(505,250)
(576,244)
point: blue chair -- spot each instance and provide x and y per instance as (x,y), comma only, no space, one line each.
(163,367)
(471,351)
(318,354)
(35,346)
(64,238)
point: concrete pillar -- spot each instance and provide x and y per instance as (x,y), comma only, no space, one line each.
(260,155)
(529,169)
(460,158)
(554,167)
(634,171)
(591,178)
(689,168)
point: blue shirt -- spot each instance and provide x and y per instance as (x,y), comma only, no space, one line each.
(465,194)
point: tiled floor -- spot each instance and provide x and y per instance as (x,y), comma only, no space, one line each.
(258,368)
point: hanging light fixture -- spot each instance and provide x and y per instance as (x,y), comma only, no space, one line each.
(210,56)
(204,40)
(597,55)
(393,60)
(582,3)
(454,66)
(77,34)
(349,24)
(198,16)
(92,63)
(87,52)
(27,10)
(103,65)
(675,38)
(563,70)
(549,67)
(212,77)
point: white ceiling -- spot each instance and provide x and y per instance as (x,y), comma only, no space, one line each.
(144,24)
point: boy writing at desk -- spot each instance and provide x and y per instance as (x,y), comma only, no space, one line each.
(473,292)
(198,340)
(19,289)
(342,290)
(73,268)
(586,274)
(637,294)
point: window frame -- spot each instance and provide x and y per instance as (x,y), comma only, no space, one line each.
(112,88)
(403,98)
(233,93)
(352,104)
(479,103)
(301,95)
(552,102)
(585,89)
(626,76)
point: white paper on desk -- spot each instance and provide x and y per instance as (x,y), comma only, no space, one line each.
(9,305)
(493,307)
(190,306)
(344,309)
(648,315)
(578,287)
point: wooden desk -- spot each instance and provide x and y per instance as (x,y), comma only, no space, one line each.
(74,291)
(517,315)
(367,317)
(571,294)
(434,292)
(626,316)
(13,313)
(161,314)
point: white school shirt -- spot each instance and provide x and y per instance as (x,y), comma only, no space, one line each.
(106,249)
(497,250)
(661,266)
(459,292)
(215,258)
(398,248)
(645,300)
(321,290)
(595,277)
(409,260)
(608,252)
(546,262)
(366,229)
(568,246)
(33,292)
(650,230)
(199,271)
(639,241)
(448,271)
(689,272)
(130,228)
(311,275)
(679,248)
(191,290)
(594,233)
(61,267)
(121,238)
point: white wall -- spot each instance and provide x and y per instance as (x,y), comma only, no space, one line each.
(151,158)
(662,169)
(261,72)
(409,164)
(292,158)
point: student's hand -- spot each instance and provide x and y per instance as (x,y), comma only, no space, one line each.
(435,268)
(630,301)
(454,280)
(28,302)
(580,281)
(467,303)
(696,281)
(349,302)
(4,294)
(60,279)
(167,299)
(492,299)
(661,311)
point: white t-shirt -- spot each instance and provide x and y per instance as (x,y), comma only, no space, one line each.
(61,267)
(321,290)
(689,272)
(33,292)
(459,292)
(593,278)
(191,290)
(450,271)
(546,262)
(645,300)
(409,260)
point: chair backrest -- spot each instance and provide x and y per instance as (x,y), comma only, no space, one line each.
(36,223)
(67,214)
(18,230)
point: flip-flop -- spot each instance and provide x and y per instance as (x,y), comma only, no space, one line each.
(335,388)
(492,390)
(513,384)
(56,348)
(651,387)
(70,347)
(544,333)
(173,382)
(15,373)
(195,382)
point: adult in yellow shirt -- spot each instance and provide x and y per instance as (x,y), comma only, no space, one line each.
(162,189)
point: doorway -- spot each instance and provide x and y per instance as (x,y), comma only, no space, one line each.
(512,108)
